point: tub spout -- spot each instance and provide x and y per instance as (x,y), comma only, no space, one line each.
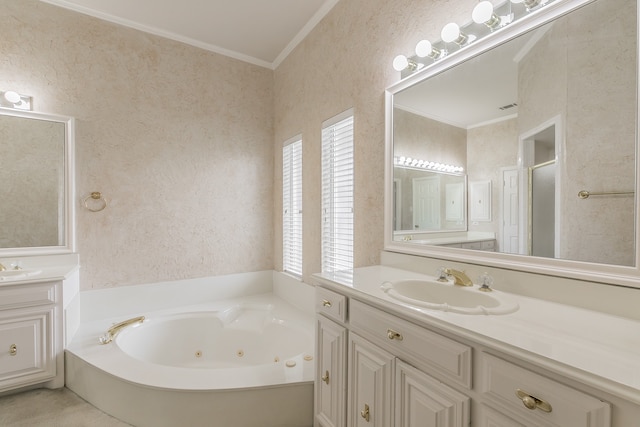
(113,331)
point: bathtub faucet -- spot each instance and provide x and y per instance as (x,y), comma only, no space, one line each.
(113,331)
(459,277)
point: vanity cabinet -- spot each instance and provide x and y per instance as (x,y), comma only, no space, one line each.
(405,374)
(331,359)
(28,332)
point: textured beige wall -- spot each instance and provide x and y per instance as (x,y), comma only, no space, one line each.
(346,62)
(178,139)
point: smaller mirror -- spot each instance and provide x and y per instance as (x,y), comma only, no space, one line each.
(36,194)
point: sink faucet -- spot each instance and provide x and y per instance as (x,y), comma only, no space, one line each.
(459,277)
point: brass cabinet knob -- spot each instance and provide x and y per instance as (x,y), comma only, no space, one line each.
(393,335)
(326,303)
(325,377)
(532,402)
(365,413)
(13,350)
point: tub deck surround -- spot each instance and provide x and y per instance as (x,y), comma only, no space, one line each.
(602,351)
(111,359)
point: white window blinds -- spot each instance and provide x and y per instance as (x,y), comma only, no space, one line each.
(292,207)
(337,193)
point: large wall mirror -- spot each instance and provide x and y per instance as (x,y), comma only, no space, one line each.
(36,183)
(538,122)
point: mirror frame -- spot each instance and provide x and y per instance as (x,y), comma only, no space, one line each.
(602,273)
(69,245)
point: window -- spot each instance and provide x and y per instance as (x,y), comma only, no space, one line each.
(292,206)
(337,192)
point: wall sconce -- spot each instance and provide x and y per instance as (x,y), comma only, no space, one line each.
(12,99)
(452,33)
(483,13)
(425,49)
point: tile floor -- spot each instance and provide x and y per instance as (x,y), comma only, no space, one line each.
(52,408)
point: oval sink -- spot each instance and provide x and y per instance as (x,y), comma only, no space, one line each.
(17,274)
(448,297)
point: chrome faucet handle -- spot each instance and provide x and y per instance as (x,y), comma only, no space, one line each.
(442,274)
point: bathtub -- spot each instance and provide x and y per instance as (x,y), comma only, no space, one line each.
(239,362)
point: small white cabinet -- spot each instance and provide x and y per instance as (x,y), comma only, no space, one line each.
(331,362)
(28,334)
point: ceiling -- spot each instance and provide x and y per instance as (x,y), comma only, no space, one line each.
(260,32)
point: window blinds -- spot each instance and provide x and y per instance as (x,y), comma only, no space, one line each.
(292,207)
(337,193)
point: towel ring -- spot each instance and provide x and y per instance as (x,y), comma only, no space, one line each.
(95,195)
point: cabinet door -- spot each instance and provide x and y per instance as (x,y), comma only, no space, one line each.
(331,358)
(26,347)
(426,402)
(370,384)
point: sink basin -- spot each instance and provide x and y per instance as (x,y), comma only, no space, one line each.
(448,297)
(17,274)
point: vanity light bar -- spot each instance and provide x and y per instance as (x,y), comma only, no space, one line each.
(12,99)
(408,162)
(486,18)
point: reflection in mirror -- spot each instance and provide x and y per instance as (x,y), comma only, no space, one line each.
(533,122)
(34,171)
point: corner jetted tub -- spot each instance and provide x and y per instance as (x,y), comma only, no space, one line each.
(246,364)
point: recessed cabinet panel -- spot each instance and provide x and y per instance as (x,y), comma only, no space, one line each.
(539,400)
(370,384)
(423,401)
(28,295)
(25,356)
(331,351)
(490,418)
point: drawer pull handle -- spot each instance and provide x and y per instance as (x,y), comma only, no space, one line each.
(532,402)
(393,335)
(325,377)
(13,349)
(365,413)
(326,303)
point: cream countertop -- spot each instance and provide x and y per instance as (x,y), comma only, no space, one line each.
(45,268)
(598,349)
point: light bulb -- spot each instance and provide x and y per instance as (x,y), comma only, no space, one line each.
(400,62)
(483,14)
(12,97)
(450,32)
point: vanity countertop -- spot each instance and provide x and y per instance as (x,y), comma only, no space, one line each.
(40,268)
(598,349)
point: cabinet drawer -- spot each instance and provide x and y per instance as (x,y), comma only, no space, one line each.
(27,295)
(331,304)
(501,381)
(26,348)
(441,357)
